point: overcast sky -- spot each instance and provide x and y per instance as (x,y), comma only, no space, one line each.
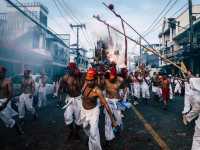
(139,13)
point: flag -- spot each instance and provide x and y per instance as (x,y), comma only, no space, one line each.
(183,68)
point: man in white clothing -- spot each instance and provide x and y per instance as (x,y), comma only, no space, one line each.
(194,112)
(6,111)
(42,99)
(26,98)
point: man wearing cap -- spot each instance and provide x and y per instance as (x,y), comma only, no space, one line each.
(72,85)
(90,110)
(112,86)
(26,98)
(6,111)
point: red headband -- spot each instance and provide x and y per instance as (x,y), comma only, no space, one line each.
(91,74)
(72,66)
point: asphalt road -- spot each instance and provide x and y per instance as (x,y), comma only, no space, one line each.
(49,131)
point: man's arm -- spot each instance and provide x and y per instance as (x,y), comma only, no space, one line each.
(60,88)
(22,86)
(193,113)
(105,104)
(9,96)
(9,90)
(32,87)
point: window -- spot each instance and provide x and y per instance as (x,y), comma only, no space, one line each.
(35,40)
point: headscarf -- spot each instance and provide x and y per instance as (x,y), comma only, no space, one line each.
(113,71)
(71,68)
(91,74)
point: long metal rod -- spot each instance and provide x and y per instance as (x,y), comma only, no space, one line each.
(125,42)
(148,49)
(117,15)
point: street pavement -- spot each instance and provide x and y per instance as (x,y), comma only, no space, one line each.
(149,130)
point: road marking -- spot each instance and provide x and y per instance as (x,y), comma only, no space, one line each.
(150,129)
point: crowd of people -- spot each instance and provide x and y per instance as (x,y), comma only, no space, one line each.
(104,88)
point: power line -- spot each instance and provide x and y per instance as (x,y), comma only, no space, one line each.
(180,9)
(159,15)
(156,28)
(60,12)
(65,7)
(75,19)
(64,17)
(157,23)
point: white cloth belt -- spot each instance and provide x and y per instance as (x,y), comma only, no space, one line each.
(70,100)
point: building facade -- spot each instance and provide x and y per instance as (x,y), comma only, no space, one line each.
(27,42)
(150,59)
(175,40)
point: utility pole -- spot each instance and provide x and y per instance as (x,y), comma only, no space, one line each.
(140,41)
(77,26)
(190,23)
(190,30)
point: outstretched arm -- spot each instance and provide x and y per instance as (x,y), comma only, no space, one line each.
(105,104)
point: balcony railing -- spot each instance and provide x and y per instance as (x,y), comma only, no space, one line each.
(3,17)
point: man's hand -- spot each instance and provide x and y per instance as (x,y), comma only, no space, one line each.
(185,120)
(114,124)
(30,96)
(3,106)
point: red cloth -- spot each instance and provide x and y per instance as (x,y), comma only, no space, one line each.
(72,66)
(113,71)
(165,90)
(77,72)
(165,94)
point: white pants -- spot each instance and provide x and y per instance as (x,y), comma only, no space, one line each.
(157,90)
(137,89)
(109,134)
(177,88)
(73,109)
(25,102)
(196,139)
(132,89)
(171,92)
(145,91)
(6,115)
(90,120)
(195,112)
(187,103)
(42,99)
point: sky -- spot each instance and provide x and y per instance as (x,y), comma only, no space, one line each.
(139,13)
